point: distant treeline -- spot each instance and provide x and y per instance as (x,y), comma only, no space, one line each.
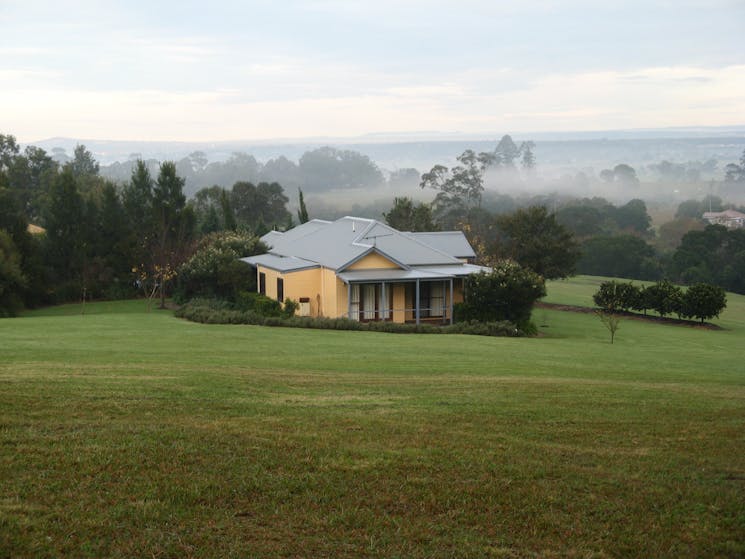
(67,232)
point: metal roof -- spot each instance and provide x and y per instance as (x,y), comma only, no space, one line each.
(273,237)
(280,263)
(338,243)
(449,242)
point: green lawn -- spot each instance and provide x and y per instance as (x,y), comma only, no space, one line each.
(128,433)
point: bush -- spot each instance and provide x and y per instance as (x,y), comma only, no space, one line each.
(290,308)
(260,304)
(212,311)
(215,269)
(508,292)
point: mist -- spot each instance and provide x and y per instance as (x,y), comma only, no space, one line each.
(363,178)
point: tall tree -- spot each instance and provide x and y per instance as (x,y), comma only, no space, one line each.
(302,212)
(533,238)
(173,225)
(405,216)
(65,237)
(83,163)
(458,189)
(137,202)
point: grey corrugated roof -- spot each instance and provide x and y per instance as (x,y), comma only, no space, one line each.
(449,242)
(280,263)
(274,237)
(338,244)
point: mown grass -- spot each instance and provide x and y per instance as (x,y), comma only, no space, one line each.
(127,433)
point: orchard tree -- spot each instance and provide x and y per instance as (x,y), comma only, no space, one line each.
(703,301)
(664,298)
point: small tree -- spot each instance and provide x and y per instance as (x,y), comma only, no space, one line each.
(703,301)
(215,270)
(611,321)
(663,297)
(507,293)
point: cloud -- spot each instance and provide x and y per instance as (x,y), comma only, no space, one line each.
(369,102)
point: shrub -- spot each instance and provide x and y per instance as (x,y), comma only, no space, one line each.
(211,311)
(260,304)
(290,308)
(215,269)
(508,292)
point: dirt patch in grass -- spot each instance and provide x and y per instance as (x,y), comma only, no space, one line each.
(633,316)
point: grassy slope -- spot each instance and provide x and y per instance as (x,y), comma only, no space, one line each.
(129,433)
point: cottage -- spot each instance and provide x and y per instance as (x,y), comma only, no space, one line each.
(365,270)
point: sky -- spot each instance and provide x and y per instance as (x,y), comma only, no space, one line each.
(260,70)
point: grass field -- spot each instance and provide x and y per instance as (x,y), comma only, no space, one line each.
(135,434)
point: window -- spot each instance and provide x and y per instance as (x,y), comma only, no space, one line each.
(262,283)
(280,290)
(369,301)
(354,303)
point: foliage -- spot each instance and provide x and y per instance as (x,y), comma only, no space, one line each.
(703,301)
(405,216)
(327,168)
(695,208)
(214,270)
(611,321)
(533,238)
(302,212)
(289,308)
(617,296)
(671,233)
(65,246)
(622,174)
(622,256)
(735,172)
(458,189)
(173,225)
(12,280)
(261,311)
(508,292)
(663,297)
(259,205)
(715,255)
(83,163)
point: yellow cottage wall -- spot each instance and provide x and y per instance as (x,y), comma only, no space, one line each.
(328,294)
(373,261)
